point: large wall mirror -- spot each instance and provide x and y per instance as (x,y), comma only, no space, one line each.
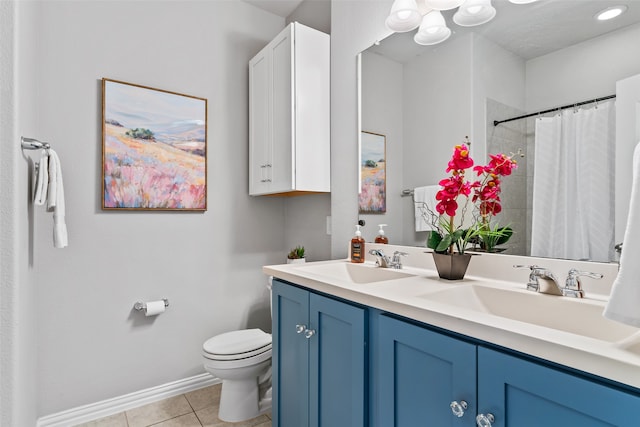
(530,58)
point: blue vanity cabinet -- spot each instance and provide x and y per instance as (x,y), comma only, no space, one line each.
(421,373)
(319,360)
(521,393)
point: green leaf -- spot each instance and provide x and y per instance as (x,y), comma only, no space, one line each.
(505,235)
(444,243)
(434,240)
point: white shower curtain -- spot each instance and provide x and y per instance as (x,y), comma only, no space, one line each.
(573,186)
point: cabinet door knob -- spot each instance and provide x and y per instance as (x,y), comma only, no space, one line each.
(300,328)
(458,408)
(483,420)
(309,333)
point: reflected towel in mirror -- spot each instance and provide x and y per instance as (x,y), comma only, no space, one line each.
(424,199)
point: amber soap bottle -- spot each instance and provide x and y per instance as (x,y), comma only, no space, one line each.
(357,247)
(381,238)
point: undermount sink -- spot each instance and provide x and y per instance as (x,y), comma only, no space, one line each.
(355,273)
(564,314)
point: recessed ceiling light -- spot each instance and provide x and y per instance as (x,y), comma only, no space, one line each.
(610,12)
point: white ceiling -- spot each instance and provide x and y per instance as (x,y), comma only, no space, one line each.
(529,30)
(277,7)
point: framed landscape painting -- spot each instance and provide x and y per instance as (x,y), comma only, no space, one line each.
(373,178)
(154,149)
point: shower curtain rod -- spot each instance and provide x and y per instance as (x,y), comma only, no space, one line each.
(604,98)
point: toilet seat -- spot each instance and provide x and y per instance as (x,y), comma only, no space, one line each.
(237,345)
(213,362)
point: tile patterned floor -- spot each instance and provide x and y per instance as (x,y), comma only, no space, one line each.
(198,408)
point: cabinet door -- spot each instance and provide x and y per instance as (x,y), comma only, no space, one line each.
(421,373)
(520,393)
(282,147)
(259,119)
(337,364)
(290,356)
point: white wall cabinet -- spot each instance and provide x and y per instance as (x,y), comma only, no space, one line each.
(289,123)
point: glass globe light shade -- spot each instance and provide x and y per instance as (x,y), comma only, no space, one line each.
(433,29)
(474,12)
(404,16)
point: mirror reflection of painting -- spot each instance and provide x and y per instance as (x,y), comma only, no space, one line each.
(373,196)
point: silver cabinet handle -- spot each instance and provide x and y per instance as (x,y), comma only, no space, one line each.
(458,408)
(300,328)
(483,420)
(309,333)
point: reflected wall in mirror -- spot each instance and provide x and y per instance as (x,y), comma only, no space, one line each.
(530,58)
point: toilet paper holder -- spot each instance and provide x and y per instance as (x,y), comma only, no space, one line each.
(140,306)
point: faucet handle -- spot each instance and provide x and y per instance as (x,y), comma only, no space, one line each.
(573,286)
(533,284)
(396,261)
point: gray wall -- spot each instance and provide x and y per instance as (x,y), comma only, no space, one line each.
(79,299)
(18,383)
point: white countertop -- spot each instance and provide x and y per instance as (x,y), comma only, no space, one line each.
(409,297)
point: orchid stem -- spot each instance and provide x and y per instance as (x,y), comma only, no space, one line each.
(451,228)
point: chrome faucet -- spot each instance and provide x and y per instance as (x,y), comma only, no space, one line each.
(573,287)
(381,259)
(384,262)
(540,273)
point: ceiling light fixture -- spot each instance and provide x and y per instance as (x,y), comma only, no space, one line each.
(407,15)
(474,12)
(610,12)
(404,16)
(433,29)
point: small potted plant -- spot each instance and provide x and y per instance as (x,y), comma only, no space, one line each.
(452,234)
(296,255)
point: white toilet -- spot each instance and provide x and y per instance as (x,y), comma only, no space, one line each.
(242,360)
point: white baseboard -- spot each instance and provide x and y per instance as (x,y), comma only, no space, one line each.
(93,411)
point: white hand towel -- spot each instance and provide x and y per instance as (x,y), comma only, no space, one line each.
(42,179)
(624,302)
(55,201)
(424,199)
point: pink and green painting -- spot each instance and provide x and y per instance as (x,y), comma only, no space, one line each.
(154,148)
(373,197)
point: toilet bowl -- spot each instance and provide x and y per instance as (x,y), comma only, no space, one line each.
(242,360)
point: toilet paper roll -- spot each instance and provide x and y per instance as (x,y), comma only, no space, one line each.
(154,308)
